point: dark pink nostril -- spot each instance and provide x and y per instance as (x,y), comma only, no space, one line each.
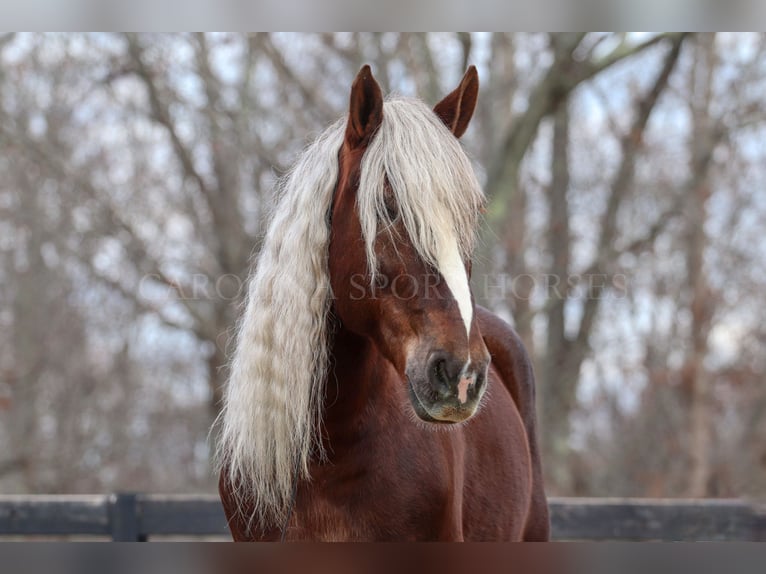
(445,373)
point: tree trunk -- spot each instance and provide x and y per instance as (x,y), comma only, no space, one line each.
(695,379)
(558,379)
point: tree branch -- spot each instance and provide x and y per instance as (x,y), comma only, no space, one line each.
(6,39)
(314,103)
(624,51)
(623,180)
(466,43)
(226,205)
(136,248)
(161,114)
(564,75)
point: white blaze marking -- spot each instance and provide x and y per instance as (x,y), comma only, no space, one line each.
(453,270)
(466,381)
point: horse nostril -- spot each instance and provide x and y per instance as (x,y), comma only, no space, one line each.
(444,372)
(440,371)
(480,380)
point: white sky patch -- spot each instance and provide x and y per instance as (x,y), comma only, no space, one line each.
(452,268)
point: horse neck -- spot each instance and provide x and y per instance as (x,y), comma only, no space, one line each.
(354,381)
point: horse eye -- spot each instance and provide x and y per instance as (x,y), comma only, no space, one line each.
(390,204)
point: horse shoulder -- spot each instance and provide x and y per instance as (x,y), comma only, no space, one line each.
(512,362)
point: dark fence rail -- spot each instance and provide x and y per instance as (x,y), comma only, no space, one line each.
(138,517)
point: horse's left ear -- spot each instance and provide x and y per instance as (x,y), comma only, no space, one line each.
(365,112)
(456,109)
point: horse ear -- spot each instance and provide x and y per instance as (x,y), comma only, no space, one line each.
(456,109)
(365,108)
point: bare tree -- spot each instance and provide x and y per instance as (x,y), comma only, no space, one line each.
(622,173)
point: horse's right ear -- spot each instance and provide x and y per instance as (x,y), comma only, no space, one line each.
(456,109)
(365,108)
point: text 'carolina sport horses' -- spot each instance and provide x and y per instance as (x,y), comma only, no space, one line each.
(369,397)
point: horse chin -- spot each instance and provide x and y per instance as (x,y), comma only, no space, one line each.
(438,413)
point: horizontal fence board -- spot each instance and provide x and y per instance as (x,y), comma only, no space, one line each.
(182,515)
(140,516)
(651,519)
(54,515)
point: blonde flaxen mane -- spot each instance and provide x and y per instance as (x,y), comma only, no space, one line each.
(273,402)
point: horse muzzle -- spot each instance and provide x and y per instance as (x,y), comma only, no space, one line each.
(446,389)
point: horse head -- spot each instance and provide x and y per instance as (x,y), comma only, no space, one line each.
(403,221)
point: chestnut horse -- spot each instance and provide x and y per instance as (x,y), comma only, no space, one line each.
(369,398)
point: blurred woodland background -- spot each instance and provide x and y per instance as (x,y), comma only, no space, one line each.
(624,238)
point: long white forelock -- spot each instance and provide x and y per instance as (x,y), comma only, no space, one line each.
(433,182)
(272,406)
